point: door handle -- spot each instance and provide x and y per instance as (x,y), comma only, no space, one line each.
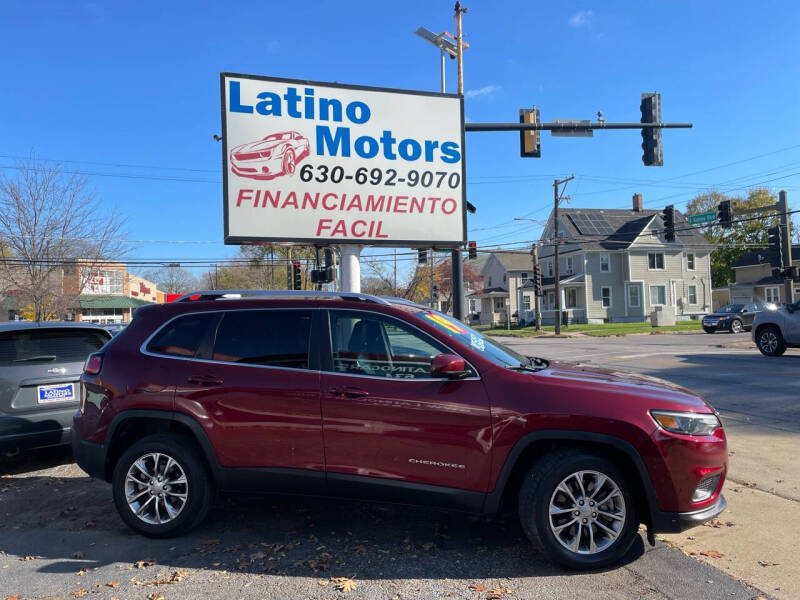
(205,380)
(350,392)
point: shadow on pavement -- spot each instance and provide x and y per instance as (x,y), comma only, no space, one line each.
(71,523)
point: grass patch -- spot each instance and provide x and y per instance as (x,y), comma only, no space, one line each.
(604,330)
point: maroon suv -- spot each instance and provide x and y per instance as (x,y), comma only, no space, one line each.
(381,399)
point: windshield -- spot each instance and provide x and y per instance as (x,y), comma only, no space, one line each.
(278,136)
(731,308)
(489,349)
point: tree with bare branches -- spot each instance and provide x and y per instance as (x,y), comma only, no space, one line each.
(173,279)
(51,221)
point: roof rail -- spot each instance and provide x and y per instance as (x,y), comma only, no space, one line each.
(239,294)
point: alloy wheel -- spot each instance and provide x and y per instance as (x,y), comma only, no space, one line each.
(768,341)
(289,163)
(736,327)
(587,512)
(156,488)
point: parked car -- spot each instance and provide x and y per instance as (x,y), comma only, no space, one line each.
(775,331)
(416,407)
(115,328)
(276,154)
(40,365)
(734,318)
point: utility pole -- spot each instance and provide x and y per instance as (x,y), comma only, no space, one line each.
(786,230)
(395,273)
(456,260)
(430,265)
(536,300)
(556,199)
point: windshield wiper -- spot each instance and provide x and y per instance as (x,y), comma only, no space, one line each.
(38,357)
(524,368)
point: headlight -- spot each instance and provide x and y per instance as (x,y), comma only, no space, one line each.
(686,423)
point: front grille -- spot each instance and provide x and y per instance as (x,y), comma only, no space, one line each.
(705,488)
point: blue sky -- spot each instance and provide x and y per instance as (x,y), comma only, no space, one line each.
(107,85)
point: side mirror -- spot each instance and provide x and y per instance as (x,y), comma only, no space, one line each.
(790,308)
(449,366)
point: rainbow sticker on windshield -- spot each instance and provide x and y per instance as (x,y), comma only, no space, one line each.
(439,320)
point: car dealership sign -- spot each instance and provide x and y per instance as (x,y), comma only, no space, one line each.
(324,163)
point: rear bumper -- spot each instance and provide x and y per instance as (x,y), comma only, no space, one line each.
(90,457)
(23,434)
(669,522)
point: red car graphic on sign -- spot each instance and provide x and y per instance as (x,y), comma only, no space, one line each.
(275,155)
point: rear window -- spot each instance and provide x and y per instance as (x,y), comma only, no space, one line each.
(49,345)
(181,336)
(275,338)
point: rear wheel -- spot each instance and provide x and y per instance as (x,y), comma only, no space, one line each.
(770,341)
(736,326)
(578,508)
(161,486)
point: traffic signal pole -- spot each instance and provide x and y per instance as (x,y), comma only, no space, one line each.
(786,229)
(557,269)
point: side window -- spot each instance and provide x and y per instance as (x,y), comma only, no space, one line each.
(181,336)
(365,344)
(274,338)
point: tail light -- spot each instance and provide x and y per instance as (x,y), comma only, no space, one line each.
(93,364)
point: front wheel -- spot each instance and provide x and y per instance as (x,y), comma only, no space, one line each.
(289,163)
(579,509)
(161,486)
(770,341)
(736,326)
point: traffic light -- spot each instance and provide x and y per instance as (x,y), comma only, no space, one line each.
(724,213)
(422,256)
(297,283)
(436,293)
(669,223)
(537,280)
(651,136)
(774,241)
(530,145)
(473,250)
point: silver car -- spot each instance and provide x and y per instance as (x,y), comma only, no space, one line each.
(776,330)
(40,365)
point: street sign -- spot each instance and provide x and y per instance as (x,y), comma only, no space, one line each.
(702,218)
(582,128)
(322,163)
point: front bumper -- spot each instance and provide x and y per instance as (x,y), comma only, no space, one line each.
(90,457)
(718,326)
(669,522)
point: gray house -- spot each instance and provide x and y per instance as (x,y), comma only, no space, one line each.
(756,279)
(504,273)
(616,266)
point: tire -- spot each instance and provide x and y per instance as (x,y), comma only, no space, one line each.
(197,489)
(736,326)
(289,163)
(770,341)
(709,330)
(540,490)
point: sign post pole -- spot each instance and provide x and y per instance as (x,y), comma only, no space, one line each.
(351,268)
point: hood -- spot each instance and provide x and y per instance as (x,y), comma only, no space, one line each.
(659,393)
(720,315)
(260,145)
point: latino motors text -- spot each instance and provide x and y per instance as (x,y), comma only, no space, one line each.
(338,141)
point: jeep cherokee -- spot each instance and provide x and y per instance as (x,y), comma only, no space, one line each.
(381,399)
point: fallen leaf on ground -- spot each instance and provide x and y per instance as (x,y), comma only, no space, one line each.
(82,570)
(477,587)
(427,546)
(155,596)
(495,594)
(768,563)
(80,592)
(323,582)
(344,584)
(712,554)
(209,542)
(112,583)
(30,557)
(14,597)
(147,562)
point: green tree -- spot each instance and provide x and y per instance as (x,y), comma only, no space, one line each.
(741,238)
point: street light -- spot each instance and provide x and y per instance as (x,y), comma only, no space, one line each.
(444,45)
